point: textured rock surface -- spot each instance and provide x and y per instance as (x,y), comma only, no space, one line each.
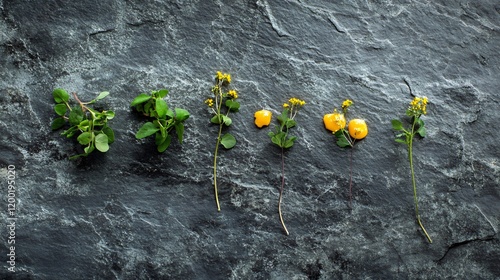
(134,214)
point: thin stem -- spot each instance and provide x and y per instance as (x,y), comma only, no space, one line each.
(410,156)
(281,190)
(215,168)
(350,179)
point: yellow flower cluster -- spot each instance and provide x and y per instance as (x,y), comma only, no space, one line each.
(232,94)
(221,77)
(418,106)
(294,102)
(346,104)
(209,102)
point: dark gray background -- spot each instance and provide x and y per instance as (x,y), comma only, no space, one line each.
(135,214)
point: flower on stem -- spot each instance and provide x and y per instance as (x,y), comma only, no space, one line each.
(225,102)
(356,130)
(416,108)
(282,139)
(209,102)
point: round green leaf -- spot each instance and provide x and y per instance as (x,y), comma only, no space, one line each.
(60,95)
(57,123)
(228,141)
(397,125)
(216,119)
(227,120)
(110,133)
(101,142)
(60,109)
(84,138)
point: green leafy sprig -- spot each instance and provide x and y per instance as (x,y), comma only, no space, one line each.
(223,102)
(417,108)
(164,119)
(282,139)
(87,124)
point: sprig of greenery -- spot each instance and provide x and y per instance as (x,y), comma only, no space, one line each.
(154,106)
(225,101)
(417,108)
(282,139)
(87,124)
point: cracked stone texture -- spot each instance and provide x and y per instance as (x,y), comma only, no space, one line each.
(135,214)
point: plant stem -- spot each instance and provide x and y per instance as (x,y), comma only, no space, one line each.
(281,189)
(410,156)
(350,179)
(215,168)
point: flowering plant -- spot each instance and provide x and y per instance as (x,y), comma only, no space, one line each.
(222,102)
(282,139)
(356,130)
(417,108)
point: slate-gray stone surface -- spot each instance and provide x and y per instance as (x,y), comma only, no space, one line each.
(135,214)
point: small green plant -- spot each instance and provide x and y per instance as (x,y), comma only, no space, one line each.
(282,139)
(417,108)
(164,119)
(223,102)
(87,124)
(356,130)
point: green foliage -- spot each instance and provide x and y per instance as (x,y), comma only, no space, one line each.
(343,138)
(228,141)
(88,125)
(280,135)
(164,120)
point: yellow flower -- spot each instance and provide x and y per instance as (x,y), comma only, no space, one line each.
(418,106)
(296,102)
(346,104)
(232,94)
(285,105)
(209,102)
(228,78)
(219,76)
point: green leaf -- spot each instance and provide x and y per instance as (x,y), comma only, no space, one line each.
(141,98)
(163,146)
(161,108)
(289,123)
(179,128)
(101,142)
(341,139)
(162,93)
(228,141)
(216,119)
(289,142)
(181,114)
(146,130)
(110,133)
(60,95)
(397,125)
(232,105)
(170,114)
(89,149)
(422,131)
(84,138)
(57,123)
(75,116)
(227,120)
(420,122)
(60,109)
(109,114)
(70,131)
(399,140)
(159,138)
(102,95)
